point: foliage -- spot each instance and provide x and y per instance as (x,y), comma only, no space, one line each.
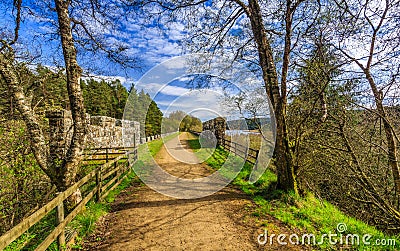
(190,123)
(327,57)
(84,222)
(153,120)
(35,235)
(104,98)
(101,98)
(47,89)
(180,121)
(23,186)
(140,107)
(339,145)
(20,195)
(318,217)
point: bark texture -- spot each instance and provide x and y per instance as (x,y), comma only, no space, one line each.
(62,169)
(73,71)
(283,154)
(38,143)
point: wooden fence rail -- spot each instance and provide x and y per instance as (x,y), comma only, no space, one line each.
(105,153)
(116,165)
(247,153)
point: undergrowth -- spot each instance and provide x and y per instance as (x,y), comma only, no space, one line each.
(84,222)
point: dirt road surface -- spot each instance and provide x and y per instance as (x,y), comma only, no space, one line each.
(142,219)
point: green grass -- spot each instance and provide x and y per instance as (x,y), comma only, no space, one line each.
(313,216)
(149,150)
(194,144)
(307,214)
(155,145)
(219,157)
(84,223)
(35,235)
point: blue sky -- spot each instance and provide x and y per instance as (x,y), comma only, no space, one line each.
(171,85)
(146,41)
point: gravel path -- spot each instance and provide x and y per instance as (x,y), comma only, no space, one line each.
(142,219)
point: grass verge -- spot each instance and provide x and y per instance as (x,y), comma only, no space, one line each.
(84,223)
(308,214)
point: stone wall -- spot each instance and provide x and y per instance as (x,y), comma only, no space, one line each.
(104,132)
(217,126)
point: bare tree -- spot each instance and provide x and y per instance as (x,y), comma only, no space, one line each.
(259,34)
(378,23)
(371,45)
(73,24)
(351,158)
(62,172)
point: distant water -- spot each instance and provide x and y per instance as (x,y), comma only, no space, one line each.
(236,132)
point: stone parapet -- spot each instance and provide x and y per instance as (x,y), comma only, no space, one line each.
(217,126)
(103,132)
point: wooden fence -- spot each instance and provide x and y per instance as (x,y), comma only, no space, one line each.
(247,153)
(107,153)
(105,178)
(244,152)
(154,137)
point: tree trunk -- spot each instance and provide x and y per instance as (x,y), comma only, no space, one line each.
(390,137)
(284,157)
(73,72)
(60,168)
(37,140)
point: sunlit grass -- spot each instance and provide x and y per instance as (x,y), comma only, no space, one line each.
(307,214)
(84,223)
(147,151)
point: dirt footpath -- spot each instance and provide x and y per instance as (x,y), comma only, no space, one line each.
(142,219)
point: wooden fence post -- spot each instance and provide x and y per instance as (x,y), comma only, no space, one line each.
(98,184)
(134,149)
(106,155)
(117,173)
(135,154)
(60,218)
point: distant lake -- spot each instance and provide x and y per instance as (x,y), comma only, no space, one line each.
(235,132)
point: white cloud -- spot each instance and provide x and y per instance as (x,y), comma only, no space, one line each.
(132,26)
(174,90)
(177,63)
(204,104)
(176,31)
(154,88)
(123,80)
(185,79)
(153,44)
